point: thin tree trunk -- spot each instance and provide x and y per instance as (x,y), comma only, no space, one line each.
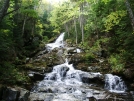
(33,28)
(23,28)
(82,22)
(96,28)
(67,29)
(4,9)
(82,28)
(76,30)
(130,13)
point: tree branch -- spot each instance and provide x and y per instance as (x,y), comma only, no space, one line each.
(12,11)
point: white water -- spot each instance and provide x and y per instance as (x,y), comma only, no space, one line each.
(57,44)
(66,83)
(114,83)
(66,73)
(65,80)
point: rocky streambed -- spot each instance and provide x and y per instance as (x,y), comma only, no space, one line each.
(58,76)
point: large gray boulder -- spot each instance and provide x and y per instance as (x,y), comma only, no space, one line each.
(10,94)
(14,94)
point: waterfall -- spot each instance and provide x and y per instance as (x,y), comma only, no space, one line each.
(59,40)
(64,73)
(65,83)
(57,44)
(114,83)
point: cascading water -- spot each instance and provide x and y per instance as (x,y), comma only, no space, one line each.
(114,83)
(57,44)
(64,80)
(65,83)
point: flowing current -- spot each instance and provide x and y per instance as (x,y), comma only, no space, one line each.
(57,44)
(114,83)
(65,83)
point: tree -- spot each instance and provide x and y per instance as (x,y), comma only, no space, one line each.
(130,13)
(4,8)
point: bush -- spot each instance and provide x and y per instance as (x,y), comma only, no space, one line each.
(89,58)
(6,45)
(116,62)
(9,74)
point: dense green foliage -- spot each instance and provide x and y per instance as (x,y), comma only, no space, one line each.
(93,25)
(23,29)
(107,26)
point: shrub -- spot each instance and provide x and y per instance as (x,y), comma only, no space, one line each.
(9,74)
(116,62)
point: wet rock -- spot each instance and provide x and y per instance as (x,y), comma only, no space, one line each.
(71,50)
(97,95)
(14,94)
(92,78)
(129,73)
(65,97)
(93,68)
(41,97)
(36,76)
(132,93)
(46,89)
(75,59)
(108,96)
(10,94)
(52,97)
(24,94)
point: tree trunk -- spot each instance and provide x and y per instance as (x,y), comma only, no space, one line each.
(23,28)
(82,31)
(82,22)
(76,30)
(67,29)
(4,9)
(33,28)
(130,13)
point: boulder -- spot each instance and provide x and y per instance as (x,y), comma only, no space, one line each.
(129,73)
(24,94)
(36,76)
(14,94)
(10,94)
(75,59)
(92,78)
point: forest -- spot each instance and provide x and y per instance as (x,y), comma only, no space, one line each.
(93,25)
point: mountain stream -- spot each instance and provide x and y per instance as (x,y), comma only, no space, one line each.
(65,83)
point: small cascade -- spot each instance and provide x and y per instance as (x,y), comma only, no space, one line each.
(57,44)
(65,83)
(65,79)
(65,73)
(114,83)
(59,40)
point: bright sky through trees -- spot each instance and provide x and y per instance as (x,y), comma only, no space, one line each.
(55,1)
